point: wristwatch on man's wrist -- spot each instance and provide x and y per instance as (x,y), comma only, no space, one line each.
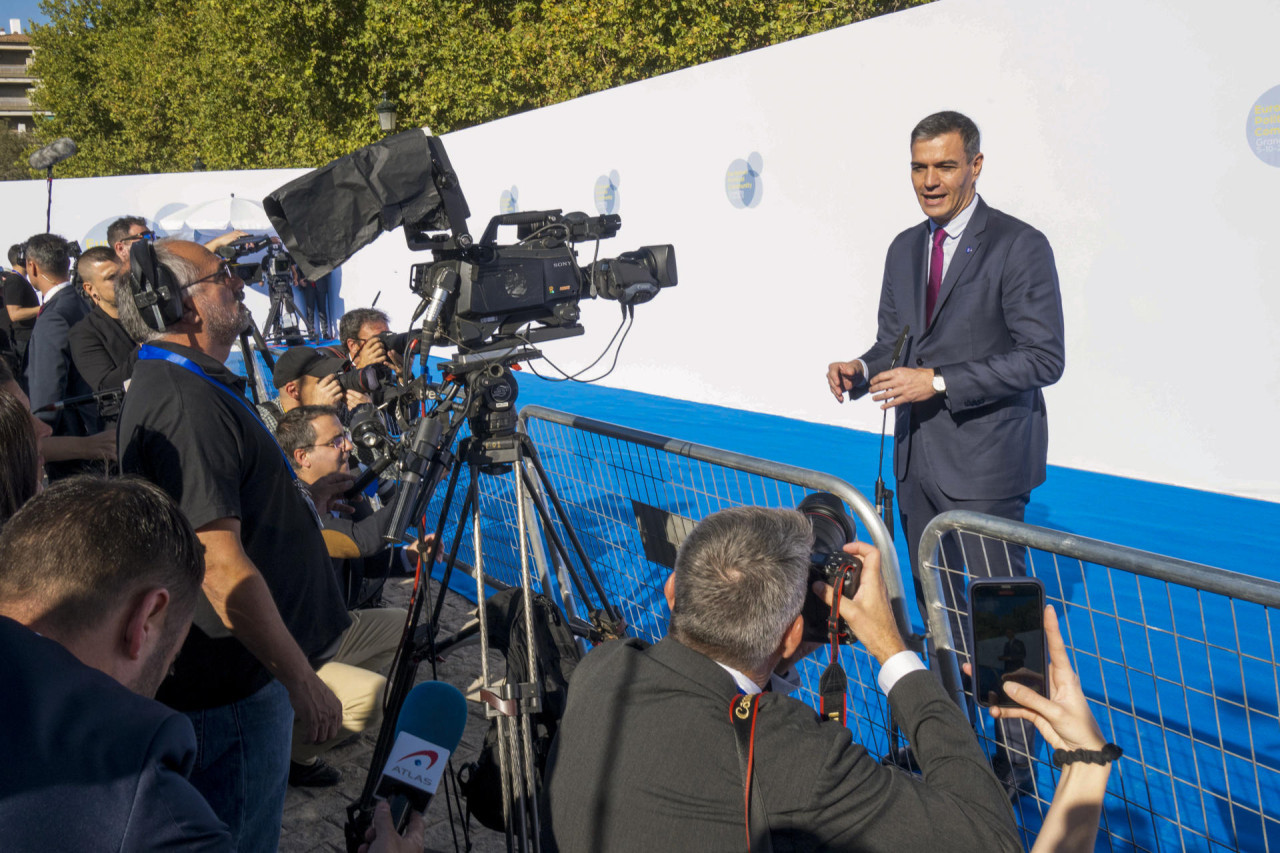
(939,384)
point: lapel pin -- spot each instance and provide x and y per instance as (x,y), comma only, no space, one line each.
(968,250)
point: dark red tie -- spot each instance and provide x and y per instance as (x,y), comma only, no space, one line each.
(935,276)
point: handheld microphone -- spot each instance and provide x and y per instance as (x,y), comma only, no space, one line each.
(897,347)
(428,731)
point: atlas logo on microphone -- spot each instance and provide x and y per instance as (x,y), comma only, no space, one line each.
(421,762)
(430,754)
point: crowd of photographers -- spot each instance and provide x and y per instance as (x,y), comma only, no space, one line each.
(204,576)
(281,660)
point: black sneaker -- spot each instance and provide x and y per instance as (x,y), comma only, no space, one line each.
(319,774)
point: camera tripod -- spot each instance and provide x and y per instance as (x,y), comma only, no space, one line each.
(280,289)
(494,448)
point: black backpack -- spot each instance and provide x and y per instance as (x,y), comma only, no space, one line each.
(557,655)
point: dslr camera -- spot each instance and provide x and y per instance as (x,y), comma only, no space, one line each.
(832,530)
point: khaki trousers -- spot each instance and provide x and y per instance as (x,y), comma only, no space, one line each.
(366,647)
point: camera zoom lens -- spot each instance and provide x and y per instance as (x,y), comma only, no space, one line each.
(832,527)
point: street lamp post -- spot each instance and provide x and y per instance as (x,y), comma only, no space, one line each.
(386,110)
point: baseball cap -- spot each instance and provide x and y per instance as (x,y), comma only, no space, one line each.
(305,361)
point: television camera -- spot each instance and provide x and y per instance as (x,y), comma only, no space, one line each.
(275,272)
(493,303)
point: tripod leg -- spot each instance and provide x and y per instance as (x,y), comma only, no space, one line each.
(261,344)
(531,694)
(292,308)
(551,493)
(272,328)
(250,368)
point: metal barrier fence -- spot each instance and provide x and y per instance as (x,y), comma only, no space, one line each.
(1178,661)
(631,496)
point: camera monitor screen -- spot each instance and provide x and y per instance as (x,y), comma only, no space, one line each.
(1007,616)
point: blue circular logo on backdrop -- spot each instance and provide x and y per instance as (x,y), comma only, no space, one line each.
(742,182)
(509,201)
(606,194)
(1262,128)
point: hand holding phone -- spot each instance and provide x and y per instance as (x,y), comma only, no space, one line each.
(1064,719)
(1006,618)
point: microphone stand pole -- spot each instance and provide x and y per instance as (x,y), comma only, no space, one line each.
(48,211)
(884,508)
(884,496)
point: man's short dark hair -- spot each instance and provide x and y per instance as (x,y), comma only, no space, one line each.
(96,255)
(947,121)
(296,430)
(119,229)
(15,256)
(86,545)
(349,325)
(50,252)
(740,582)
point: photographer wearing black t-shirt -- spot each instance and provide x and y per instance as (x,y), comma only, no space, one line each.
(272,611)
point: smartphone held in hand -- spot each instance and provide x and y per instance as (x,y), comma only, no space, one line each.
(1006,618)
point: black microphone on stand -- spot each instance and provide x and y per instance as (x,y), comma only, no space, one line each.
(884,497)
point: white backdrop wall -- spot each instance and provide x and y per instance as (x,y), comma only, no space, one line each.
(1132,133)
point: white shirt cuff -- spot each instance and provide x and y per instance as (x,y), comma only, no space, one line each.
(863,378)
(903,663)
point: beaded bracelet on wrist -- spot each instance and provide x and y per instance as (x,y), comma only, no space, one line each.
(1106,755)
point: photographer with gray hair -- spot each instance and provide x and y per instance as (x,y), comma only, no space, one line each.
(647,758)
(274,612)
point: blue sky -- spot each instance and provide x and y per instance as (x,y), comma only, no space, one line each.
(26,10)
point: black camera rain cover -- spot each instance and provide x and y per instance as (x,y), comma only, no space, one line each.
(326,216)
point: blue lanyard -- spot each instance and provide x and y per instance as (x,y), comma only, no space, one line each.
(149,353)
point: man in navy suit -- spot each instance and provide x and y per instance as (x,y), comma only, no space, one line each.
(979,291)
(51,372)
(98,584)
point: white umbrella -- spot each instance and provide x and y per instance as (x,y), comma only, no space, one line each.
(219,214)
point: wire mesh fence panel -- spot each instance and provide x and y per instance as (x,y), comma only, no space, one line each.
(634,504)
(1178,662)
(630,498)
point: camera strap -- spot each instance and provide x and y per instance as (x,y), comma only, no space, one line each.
(742,714)
(833,684)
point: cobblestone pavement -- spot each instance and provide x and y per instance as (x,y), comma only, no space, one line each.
(314,817)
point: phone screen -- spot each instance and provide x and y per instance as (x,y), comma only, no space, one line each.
(1007,619)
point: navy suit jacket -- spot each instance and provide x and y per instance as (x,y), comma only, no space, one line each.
(997,338)
(87,763)
(51,373)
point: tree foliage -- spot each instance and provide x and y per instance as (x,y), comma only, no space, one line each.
(152,85)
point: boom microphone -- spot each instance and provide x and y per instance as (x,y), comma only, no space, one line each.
(53,153)
(428,731)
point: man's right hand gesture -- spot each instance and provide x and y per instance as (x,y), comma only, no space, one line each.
(842,376)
